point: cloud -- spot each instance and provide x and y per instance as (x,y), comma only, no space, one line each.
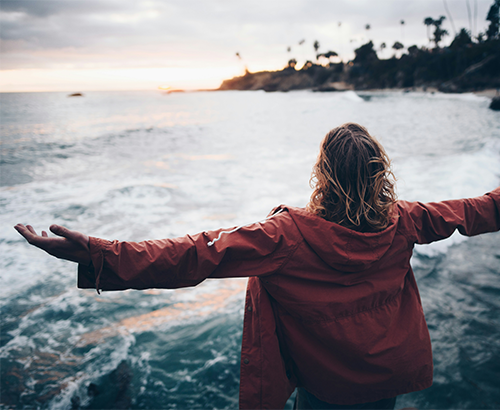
(106,33)
(48,8)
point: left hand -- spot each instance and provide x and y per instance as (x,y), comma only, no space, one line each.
(72,245)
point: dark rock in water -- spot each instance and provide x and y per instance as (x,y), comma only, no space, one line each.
(75,95)
(365,97)
(325,89)
(122,376)
(113,390)
(450,87)
(271,88)
(495,103)
(75,403)
(93,390)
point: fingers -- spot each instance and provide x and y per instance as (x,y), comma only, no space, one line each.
(70,245)
(31,236)
(60,231)
(69,234)
(19,228)
(29,233)
(24,231)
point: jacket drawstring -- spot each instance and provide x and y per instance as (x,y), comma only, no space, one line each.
(98,277)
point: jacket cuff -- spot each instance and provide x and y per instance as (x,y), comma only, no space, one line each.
(89,276)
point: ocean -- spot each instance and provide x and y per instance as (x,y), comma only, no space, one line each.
(145,165)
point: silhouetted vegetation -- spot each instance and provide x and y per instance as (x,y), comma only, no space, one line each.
(467,64)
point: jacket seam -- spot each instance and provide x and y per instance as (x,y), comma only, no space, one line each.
(292,252)
(337,318)
(406,234)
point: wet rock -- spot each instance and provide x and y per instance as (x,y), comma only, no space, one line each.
(93,390)
(495,103)
(75,95)
(325,88)
(113,390)
(75,403)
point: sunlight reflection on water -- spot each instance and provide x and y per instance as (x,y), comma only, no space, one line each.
(141,165)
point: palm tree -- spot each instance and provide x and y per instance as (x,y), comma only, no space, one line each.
(328,55)
(339,26)
(494,18)
(316,47)
(429,21)
(475,17)
(367,28)
(382,47)
(451,18)
(439,33)
(470,16)
(301,43)
(397,46)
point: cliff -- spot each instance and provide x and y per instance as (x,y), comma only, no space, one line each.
(457,68)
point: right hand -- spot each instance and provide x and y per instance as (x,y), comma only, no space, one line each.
(72,245)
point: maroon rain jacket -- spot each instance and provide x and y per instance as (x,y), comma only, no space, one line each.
(332,310)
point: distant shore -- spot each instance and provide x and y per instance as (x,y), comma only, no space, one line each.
(357,77)
(464,66)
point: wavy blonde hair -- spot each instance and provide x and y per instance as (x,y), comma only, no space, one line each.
(352,180)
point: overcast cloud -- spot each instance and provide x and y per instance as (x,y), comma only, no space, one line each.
(82,34)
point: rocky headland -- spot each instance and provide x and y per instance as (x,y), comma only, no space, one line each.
(464,66)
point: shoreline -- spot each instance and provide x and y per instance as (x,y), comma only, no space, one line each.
(489,92)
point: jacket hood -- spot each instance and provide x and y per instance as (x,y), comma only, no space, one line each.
(342,248)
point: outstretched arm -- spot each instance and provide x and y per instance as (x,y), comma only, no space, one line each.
(434,221)
(258,249)
(71,245)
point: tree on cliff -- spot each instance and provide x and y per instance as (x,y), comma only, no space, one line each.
(413,51)
(308,64)
(461,39)
(428,21)
(382,48)
(494,18)
(292,63)
(328,55)
(365,53)
(439,32)
(316,46)
(397,46)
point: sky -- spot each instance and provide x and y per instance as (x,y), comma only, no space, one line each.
(83,45)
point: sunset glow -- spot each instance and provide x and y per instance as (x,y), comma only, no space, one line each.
(109,45)
(115,79)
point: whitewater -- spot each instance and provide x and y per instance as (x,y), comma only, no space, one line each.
(146,165)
